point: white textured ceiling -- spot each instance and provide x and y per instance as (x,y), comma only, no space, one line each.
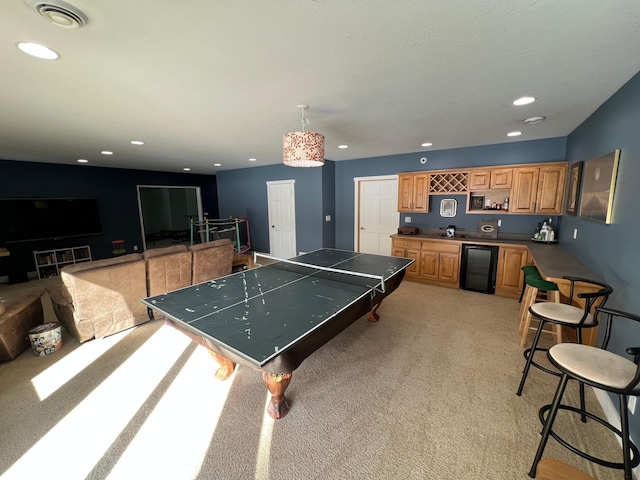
(205,81)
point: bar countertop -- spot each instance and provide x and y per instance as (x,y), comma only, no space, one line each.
(552,260)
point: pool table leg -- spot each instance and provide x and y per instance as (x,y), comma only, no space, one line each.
(277,383)
(372,316)
(225,368)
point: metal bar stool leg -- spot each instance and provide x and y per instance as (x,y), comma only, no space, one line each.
(532,351)
(562,385)
(624,421)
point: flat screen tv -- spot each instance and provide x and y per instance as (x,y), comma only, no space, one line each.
(30,219)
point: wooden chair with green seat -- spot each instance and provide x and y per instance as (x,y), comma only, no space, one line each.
(535,285)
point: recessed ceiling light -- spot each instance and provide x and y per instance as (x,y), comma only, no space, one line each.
(513,134)
(186,169)
(136,142)
(524,101)
(427,144)
(106,152)
(533,120)
(343,146)
(82,160)
(253,159)
(217,164)
(37,50)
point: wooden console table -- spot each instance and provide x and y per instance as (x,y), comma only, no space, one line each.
(242,259)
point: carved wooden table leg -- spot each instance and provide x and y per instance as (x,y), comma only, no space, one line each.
(372,315)
(277,383)
(225,368)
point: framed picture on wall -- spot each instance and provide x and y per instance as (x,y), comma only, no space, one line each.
(573,194)
(477,202)
(448,207)
(598,187)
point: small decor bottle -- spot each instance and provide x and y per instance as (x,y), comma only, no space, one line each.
(505,205)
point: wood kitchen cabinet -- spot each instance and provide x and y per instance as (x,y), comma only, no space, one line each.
(490,178)
(511,259)
(440,261)
(413,192)
(538,189)
(408,248)
(437,262)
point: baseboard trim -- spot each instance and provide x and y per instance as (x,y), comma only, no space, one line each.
(613,418)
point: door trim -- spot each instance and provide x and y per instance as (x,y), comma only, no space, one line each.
(356,202)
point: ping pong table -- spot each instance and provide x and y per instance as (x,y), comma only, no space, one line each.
(274,316)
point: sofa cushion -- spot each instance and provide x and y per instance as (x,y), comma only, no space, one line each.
(167,269)
(211,260)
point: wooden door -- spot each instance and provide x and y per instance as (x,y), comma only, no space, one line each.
(413,270)
(479,180)
(429,264)
(449,267)
(421,193)
(501,177)
(551,190)
(405,192)
(525,189)
(509,280)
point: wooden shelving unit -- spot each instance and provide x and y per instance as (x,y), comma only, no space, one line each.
(49,262)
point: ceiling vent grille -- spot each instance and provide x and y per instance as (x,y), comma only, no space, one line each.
(60,13)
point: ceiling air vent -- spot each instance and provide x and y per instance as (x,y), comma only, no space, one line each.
(59,13)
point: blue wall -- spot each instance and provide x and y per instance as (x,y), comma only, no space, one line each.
(115,190)
(549,150)
(243,192)
(611,251)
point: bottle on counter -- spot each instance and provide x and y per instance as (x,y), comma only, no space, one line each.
(505,205)
(544,232)
(536,235)
(552,236)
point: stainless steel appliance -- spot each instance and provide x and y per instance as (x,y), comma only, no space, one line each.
(479,266)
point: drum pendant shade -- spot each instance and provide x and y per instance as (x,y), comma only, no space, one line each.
(303,149)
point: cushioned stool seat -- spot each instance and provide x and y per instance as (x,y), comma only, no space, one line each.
(565,315)
(603,370)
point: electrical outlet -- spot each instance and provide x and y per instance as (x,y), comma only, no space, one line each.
(327,218)
(499,223)
(632,405)
(575,233)
(135,248)
(407,219)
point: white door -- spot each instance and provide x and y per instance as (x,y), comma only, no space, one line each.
(282,218)
(377,213)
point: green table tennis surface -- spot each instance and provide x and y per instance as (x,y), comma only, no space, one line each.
(257,314)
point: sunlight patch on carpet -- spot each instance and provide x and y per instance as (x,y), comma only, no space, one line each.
(58,374)
(177,425)
(81,438)
(264,448)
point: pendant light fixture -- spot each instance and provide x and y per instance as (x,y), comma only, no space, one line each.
(303,149)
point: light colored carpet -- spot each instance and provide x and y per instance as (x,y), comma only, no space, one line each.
(426,393)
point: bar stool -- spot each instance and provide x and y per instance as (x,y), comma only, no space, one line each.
(602,369)
(535,286)
(527,270)
(565,315)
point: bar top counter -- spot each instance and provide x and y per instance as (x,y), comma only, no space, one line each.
(552,260)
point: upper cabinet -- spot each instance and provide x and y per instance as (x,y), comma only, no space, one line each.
(538,189)
(531,188)
(413,192)
(490,178)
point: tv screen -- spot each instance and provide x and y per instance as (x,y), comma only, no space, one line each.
(29,219)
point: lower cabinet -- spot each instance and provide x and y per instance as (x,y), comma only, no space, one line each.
(437,262)
(511,259)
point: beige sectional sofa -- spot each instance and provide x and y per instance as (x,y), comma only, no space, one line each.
(102,297)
